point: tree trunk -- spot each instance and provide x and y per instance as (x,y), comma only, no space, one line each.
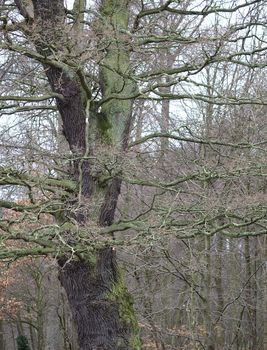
(2,344)
(218,280)
(264,299)
(207,279)
(250,296)
(101,306)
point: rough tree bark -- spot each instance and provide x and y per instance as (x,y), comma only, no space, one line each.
(101,306)
(2,344)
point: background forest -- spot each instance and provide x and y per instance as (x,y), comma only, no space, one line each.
(133,141)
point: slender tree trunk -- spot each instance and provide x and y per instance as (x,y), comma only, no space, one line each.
(219,291)
(2,344)
(264,301)
(250,296)
(165,121)
(208,295)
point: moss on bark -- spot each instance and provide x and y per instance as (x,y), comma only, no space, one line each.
(120,295)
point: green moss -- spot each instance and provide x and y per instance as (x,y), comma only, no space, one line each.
(103,126)
(67,226)
(115,69)
(120,295)
(116,10)
(91,259)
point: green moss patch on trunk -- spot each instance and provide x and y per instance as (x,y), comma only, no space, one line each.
(120,295)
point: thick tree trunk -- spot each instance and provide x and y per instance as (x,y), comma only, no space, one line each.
(101,306)
(98,300)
